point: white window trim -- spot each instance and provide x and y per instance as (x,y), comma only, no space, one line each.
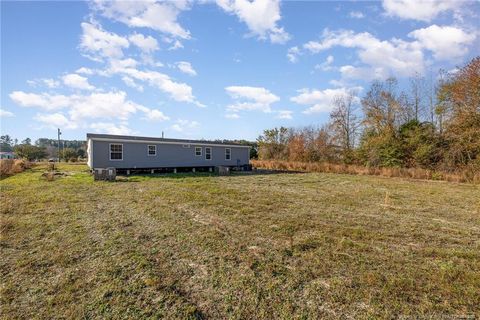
(230,154)
(201,151)
(148,150)
(110,151)
(208,148)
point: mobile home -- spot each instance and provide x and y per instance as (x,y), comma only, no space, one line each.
(143,153)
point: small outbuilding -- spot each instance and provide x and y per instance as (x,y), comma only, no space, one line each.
(148,153)
(7,155)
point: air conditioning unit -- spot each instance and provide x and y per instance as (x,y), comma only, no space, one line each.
(105,174)
(222,170)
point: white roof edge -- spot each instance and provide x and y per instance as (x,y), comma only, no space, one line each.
(169,142)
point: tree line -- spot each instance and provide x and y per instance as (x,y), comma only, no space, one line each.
(432,124)
(44,148)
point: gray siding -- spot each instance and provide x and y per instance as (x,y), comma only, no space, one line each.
(168,155)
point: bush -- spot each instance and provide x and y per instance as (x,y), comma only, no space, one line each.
(29,152)
(467,174)
(9,167)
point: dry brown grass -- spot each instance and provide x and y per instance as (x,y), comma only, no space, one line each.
(412,173)
(9,167)
(243,246)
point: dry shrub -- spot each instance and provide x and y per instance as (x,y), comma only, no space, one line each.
(6,167)
(50,176)
(9,167)
(51,166)
(461,175)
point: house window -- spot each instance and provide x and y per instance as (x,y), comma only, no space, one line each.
(152,150)
(198,151)
(116,151)
(228,153)
(208,153)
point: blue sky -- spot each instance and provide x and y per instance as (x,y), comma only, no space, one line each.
(212,69)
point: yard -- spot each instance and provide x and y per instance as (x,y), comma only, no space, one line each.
(242,246)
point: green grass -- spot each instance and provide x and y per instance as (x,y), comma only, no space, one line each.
(241,246)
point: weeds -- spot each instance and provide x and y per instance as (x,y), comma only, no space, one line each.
(467,175)
(9,167)
(313,245)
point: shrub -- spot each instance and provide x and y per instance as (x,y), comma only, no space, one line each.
(6,167)
(467,174)
(9,167)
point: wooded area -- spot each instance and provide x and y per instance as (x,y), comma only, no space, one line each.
(433,125)
(44,148)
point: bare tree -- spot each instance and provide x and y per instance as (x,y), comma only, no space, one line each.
(344,121)
(431,96)
(407,110)
(417,89)
(381,107)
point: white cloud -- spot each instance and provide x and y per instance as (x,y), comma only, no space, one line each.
(44,101)
(75,81)
(284,114)
(84,70)
(155,115)
(396,56)
(50,83)
(6,114)
(111,128)
(356,15)
(279,35)
(176,127)
(183,125)
(320,100)
(250,98)
(293,54)
(350,72)
(232,116)
(186,68)
(157,15)
(127,69)
(337,83)
(178,91)
(132,84)
(102,105)
(445,42)
(81,107)
(260,16)
(147,44)
(176,45)
(326,65)
(423,10)
(55,120)
(101,45)
(119,65)
(98,43)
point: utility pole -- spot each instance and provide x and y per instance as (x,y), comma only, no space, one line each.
(58,147)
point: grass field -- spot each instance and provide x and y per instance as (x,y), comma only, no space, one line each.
(242,246)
